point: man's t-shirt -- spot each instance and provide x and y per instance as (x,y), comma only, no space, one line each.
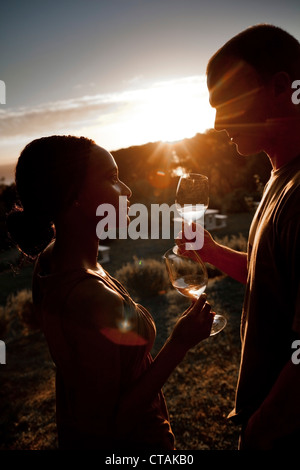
(271,312)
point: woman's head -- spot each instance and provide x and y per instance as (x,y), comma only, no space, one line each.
(102,186)
(49,176)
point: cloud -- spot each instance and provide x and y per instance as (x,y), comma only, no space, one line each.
(166,110)
(79,112)
(135,80)
(56,115)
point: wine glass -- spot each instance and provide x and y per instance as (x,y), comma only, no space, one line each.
(191,201)
(189,277)
(192,196)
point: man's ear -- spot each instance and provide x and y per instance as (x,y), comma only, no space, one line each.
(281,83)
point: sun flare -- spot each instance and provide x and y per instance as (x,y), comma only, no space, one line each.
(167,111)
(173,111)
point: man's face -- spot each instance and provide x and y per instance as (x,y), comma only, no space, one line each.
(241,103)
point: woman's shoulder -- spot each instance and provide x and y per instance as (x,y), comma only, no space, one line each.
(93,301)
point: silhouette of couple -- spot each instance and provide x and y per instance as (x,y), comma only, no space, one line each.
(108,386)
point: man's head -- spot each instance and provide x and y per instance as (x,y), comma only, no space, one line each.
(250,84)
(267,48)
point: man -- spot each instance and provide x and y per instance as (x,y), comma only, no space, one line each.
(250,85)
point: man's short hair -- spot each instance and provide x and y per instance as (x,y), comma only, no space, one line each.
(267,48)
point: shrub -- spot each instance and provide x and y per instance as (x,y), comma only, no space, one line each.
(212,271)
(177,304)
(144,278)
(19,313)
(4,322)
(235,242)
(236,201)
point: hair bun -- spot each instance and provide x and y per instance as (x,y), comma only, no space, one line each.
(30,232)
(16,223)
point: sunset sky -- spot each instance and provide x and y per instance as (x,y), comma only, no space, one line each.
(123,72)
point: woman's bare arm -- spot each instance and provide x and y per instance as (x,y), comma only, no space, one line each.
(193,326)
(94,308)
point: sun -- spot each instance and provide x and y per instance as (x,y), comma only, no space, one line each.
(173,111)
(166,111)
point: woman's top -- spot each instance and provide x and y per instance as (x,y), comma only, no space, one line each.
(96,366)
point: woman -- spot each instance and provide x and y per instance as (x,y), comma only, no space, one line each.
(108,387)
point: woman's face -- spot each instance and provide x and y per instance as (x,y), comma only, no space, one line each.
(102,184)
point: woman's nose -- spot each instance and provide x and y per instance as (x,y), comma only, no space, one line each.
(126,191)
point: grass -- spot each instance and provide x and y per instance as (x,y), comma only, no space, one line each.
(199,393)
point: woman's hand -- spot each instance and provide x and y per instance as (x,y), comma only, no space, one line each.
(193,325)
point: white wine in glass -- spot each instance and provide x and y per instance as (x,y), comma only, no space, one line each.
(192,196)
(189,277)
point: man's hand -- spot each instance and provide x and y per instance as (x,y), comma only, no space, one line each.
(231,262)
(209,245)
(255,435)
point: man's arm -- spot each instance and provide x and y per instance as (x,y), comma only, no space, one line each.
(279,414)
(231,262)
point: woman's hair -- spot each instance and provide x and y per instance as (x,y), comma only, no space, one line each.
(49,175)
(267,48)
